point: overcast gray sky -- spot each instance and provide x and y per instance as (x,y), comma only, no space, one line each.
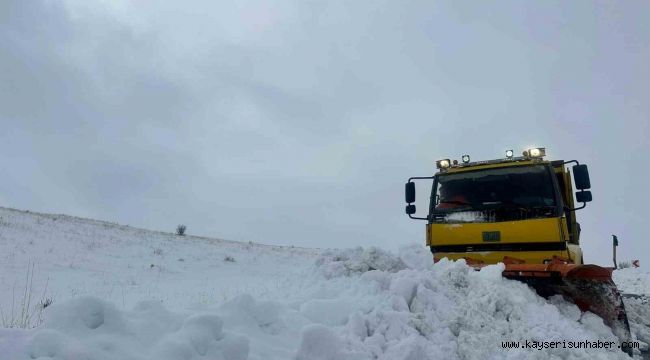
(298,122)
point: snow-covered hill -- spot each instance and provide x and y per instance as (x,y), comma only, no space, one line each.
(123,293)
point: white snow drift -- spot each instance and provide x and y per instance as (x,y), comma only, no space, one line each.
(129,296)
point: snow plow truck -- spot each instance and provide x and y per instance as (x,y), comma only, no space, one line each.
(520,211)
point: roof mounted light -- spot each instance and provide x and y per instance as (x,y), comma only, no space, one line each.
(465,159)
(535,152)
(443,164)
(510,154)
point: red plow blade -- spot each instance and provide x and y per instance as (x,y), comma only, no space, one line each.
(590,287)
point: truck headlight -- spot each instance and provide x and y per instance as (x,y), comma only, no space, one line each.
(443,164)
(535,152)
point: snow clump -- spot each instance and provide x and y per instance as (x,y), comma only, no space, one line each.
(445,310)
(89,328)
(347,262)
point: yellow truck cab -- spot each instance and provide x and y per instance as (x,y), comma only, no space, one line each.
(520,211)
(512,210)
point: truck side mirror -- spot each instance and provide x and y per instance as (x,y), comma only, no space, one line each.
(410,209)
(583,196)
(409,194)
(581,177)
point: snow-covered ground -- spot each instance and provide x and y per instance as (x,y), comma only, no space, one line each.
(123,293)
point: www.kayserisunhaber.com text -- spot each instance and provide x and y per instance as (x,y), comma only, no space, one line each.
(566,344)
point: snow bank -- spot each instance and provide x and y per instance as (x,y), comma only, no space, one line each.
(632,280)
(275,303)
(638,313)
(634,284)
(447,311)
(88,328)
(360,304)
(350,262)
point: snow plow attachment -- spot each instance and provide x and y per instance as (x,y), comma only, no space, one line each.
(590,287)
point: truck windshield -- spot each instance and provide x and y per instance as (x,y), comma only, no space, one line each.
(492,195)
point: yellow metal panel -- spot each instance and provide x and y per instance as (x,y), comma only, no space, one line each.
(522,231)
(564,229)
(573,252)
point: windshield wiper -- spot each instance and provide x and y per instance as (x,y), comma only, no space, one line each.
(459,202)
